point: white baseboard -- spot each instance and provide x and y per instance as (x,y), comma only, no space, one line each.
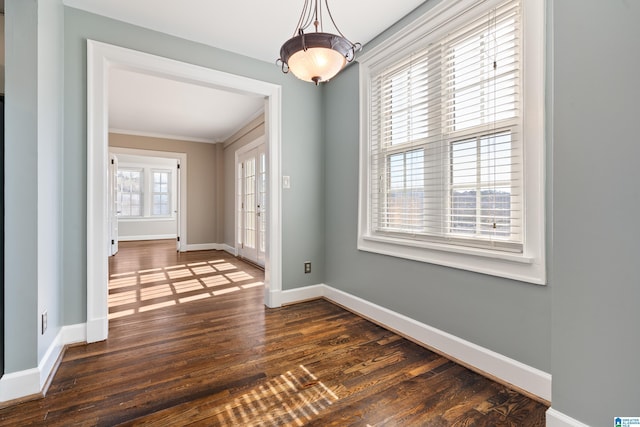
(230,249)
(97,329)
(511,371)
(31,382)
(204,247)
(19,384)
(272,299)
(213,247)
(558,419)
(146,237)
(73,334)
(302,294)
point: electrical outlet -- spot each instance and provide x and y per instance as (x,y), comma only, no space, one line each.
(45,320)
(307,267)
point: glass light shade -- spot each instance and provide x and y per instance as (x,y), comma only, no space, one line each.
(316,57)
(317,64)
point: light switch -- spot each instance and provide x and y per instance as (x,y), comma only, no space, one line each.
(286,181)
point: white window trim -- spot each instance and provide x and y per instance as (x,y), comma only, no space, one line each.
(528,266)
(147,170)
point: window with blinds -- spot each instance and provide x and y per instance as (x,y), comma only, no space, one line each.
(446,155)
(130,192)
(161,197)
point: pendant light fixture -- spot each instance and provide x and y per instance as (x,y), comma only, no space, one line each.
(316,56)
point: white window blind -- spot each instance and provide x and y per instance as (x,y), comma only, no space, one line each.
(129,192)
(445,137)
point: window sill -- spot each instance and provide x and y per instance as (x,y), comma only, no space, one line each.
(520,267)
(147,219)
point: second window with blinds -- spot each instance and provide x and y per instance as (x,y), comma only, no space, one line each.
(444,142)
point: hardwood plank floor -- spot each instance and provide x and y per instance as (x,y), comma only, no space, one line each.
(190,343)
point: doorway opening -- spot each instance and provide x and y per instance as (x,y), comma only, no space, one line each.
(154,203)
(102,58)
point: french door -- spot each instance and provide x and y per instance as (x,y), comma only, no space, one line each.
(114,209)
(251,198)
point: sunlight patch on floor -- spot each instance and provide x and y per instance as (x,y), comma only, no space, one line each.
(155,288)
(293,398)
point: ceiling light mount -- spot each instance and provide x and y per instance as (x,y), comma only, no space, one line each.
(316,56)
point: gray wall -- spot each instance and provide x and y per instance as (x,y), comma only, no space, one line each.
(596,329)
(509,317)
(33,165)
(21,190)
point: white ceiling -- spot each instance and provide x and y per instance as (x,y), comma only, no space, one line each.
(252,28)
(142,104)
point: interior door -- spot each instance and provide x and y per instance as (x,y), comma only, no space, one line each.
(261,208)
(251,205)
(114,209)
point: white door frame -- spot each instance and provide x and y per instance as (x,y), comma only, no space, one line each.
(182,178)
(101,58)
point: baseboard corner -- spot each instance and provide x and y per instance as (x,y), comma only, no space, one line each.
(30,384)
(229,249)
(556,418)
(529,380)
(301,294)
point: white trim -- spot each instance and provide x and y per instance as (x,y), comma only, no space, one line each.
(30,382)
(147,219)
(511,371)
(162,136)
(251,118)
(102,57)
(19,384)
(273,255)
(146,237)
(73,334)
(292,296)
(558,419)
(204,247)
(531,266)
(228,248)
(250,146)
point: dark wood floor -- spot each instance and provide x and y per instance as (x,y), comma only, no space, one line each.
(190,343)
